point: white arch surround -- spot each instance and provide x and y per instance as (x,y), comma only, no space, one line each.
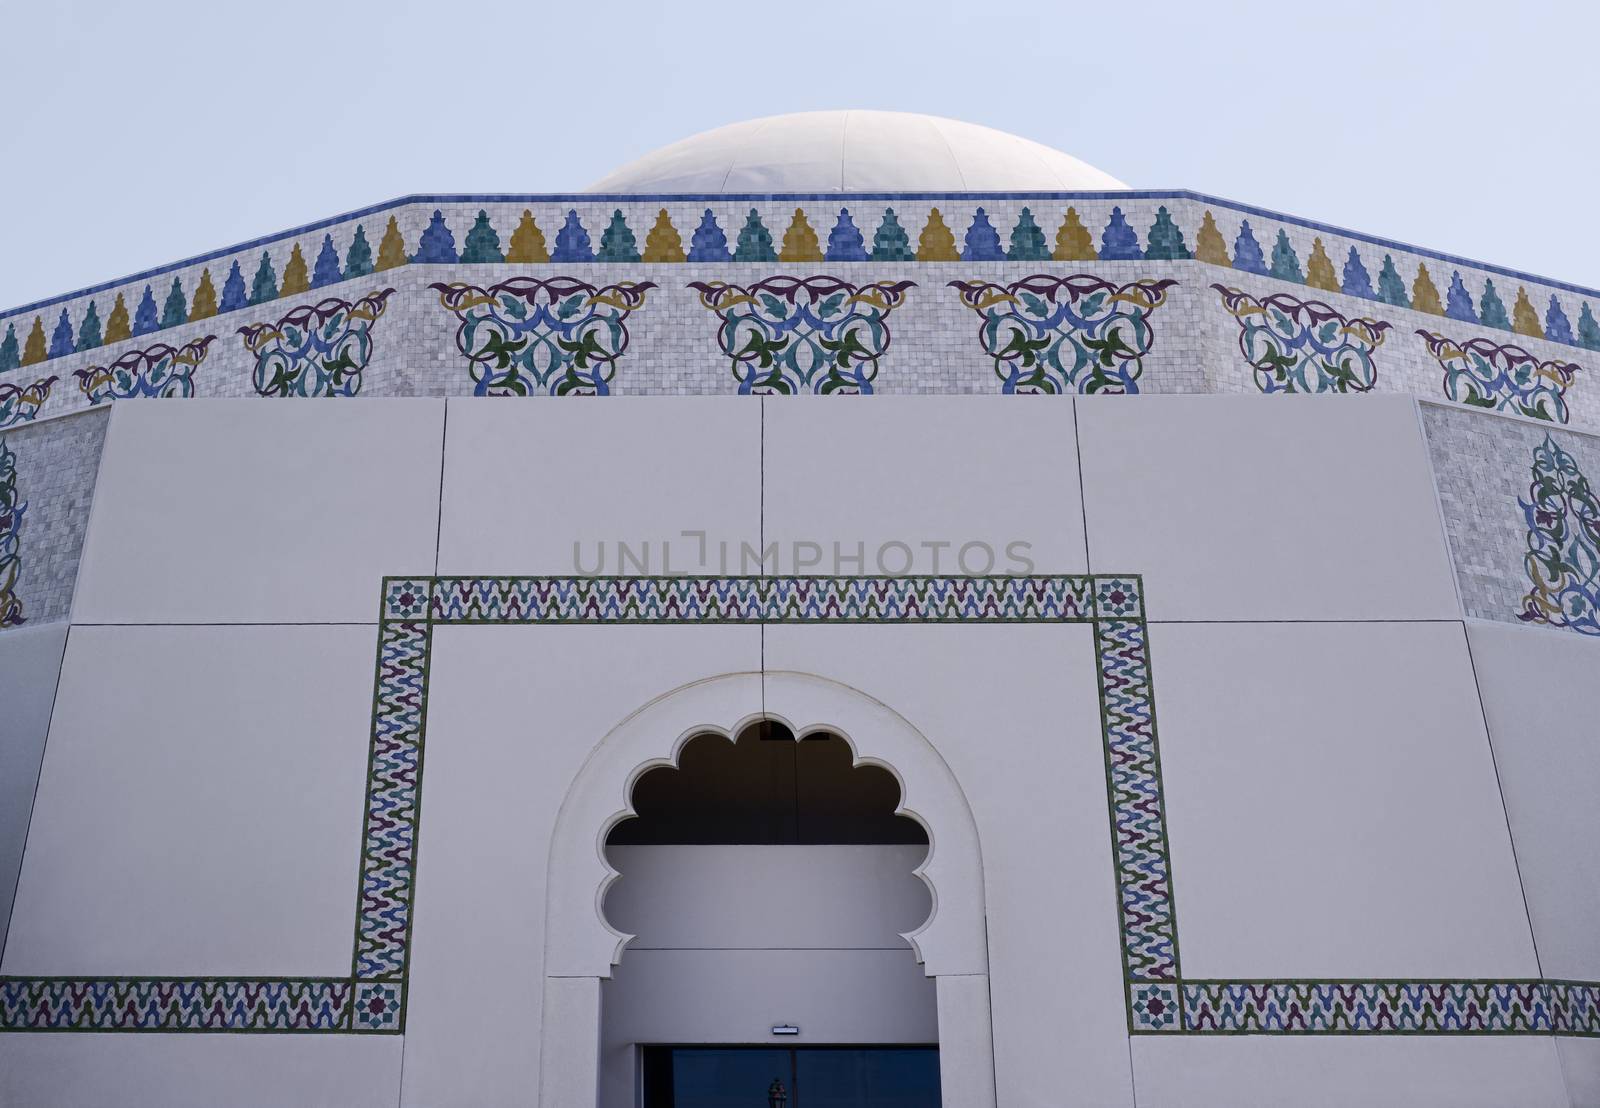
(581,947)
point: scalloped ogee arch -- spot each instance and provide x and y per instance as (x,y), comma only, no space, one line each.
(580,942)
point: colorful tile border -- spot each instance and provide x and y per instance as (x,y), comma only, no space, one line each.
(372,1000)
(174,1004)
(1339,1007)
(58,326)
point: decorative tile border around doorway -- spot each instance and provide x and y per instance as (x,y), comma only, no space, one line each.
(372,999)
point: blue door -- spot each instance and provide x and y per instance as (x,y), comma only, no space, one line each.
(801,1077)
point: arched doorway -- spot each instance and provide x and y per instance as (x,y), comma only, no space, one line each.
(582,947)
(767,882)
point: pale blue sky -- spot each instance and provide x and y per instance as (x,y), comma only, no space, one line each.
(139,134)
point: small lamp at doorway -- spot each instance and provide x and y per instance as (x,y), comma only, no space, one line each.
(777,1095)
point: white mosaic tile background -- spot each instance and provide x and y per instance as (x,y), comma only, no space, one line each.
(1483,466)
(56,467)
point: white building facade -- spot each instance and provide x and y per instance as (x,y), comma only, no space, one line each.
(852,602)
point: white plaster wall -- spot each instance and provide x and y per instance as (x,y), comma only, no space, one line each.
(1271,508)
(732,940)
(524,483)
(1580,1065)
(720,897)
(1338,1071)
(199,808)
(1542,699)
(513,713)
(86,1070)
(227,512)
(846,481)
(1308,656)
(30,662)
(1326,826)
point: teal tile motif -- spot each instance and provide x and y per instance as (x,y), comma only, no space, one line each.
(1078,334)
(1502,378)
(265,285)
(483,242)
(1028,243)
(21,403)
(316,350)
(1165,239)
(377,1006)
(791,335)
(1562,514)
(560,335)
(1492,310)
(12,509)
(754,243)
(157,370)
(89,329)
(1156,1006)
(1304,345)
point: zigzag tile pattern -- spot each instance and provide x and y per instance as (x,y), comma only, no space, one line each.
(1394,1007)
(1575,1007)
(174,1004)
(927,599)
(1139,833)
(389,843)
(761,599)
(597,600)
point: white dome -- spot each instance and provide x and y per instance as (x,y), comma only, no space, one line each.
(855,151)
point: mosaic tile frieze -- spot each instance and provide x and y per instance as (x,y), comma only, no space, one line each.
(317,349)
(482,242)
(12,509)
(21,403)
(791,335)
(1296,345)
(1144,876)
(1065,335)
(1482,465)
(51,472)
(1502,376)
(1384,1007)
(174,1004)
(1562,512)
(1155,226)
(388,847)
(155,371)
(753,599)
(561,335)
(1159,1000)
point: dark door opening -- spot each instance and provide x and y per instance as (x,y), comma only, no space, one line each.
(806,1077)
